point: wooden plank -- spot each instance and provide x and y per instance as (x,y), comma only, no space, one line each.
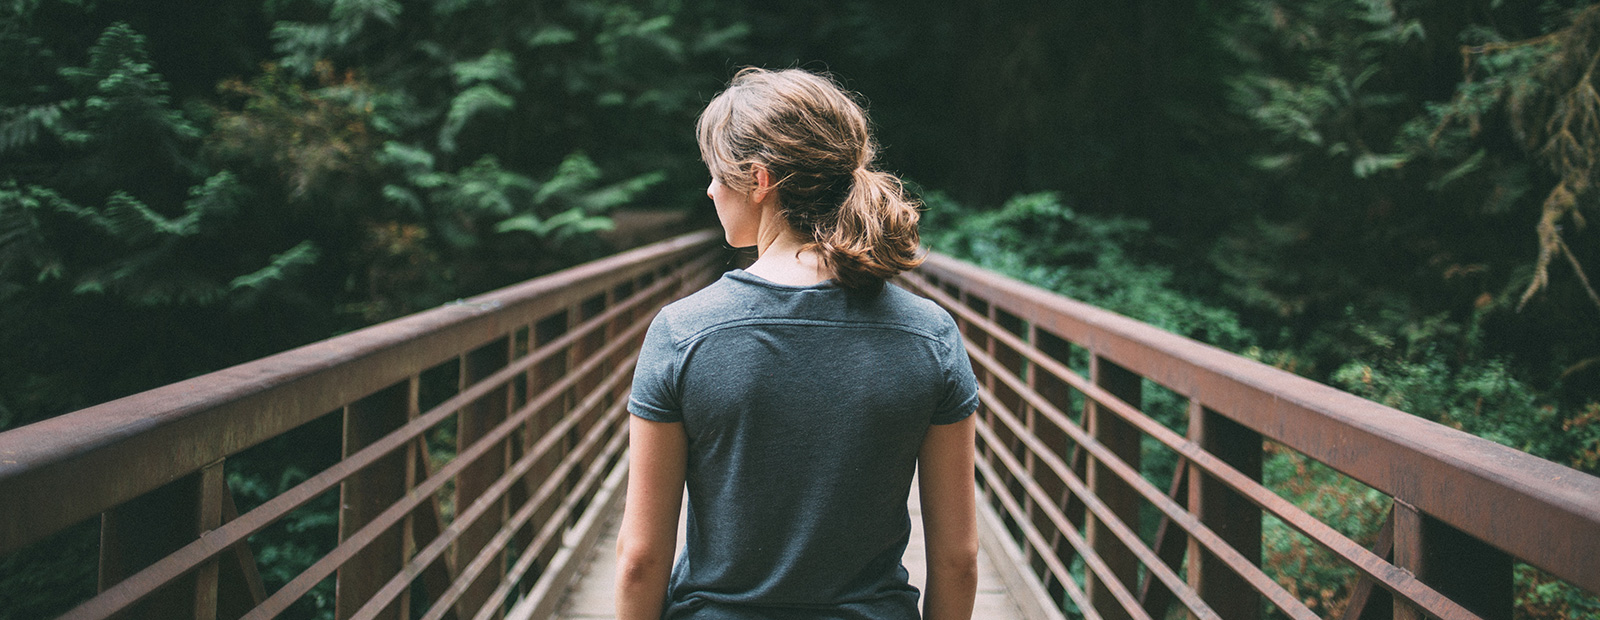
(1005,561)
(1006,591)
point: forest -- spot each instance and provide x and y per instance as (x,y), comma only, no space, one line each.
(1387,196)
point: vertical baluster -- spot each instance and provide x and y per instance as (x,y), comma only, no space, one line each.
(521,392)
(1231,516)
(367,493)
(1058,393)
(1029,460)
(1012,361)
(541,376)
(208,516)
(1123,440)
(472,422)
(1407,551)
(1460,567)
(414,455)
(583,350)
(148,528)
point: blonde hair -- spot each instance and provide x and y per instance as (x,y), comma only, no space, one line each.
(814,139)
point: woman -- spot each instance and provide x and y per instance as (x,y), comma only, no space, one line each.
(797,397)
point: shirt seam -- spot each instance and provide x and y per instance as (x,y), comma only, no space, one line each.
(751,322)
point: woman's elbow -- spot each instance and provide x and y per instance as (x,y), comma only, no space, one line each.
(641,564)
(956,562)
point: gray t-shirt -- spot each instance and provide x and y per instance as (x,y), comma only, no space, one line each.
(805,407)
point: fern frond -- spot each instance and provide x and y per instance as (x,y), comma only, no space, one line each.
(21,126)
(280,267)
(468,104)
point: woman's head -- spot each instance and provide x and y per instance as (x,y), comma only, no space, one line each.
(814,142)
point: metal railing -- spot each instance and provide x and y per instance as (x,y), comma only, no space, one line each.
(536,375)
(488,524)
(1060,459)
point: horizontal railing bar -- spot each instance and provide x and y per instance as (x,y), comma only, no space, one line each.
(525,561)
(1428,465)
(1123,531)
(116,451)
(1397,581)
(216,541)
(493,495)
(1103,513)
(563,511)
(324,567)
(1214,543)
(1029,531)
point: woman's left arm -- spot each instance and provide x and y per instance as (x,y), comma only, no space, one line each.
(658,454)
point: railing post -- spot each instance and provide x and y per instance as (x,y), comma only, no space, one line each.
(1059,394)
(473,422)
(1122,439)
(540,376)
(1226,512)
(368,493)
(1462,568)
(208,515)
(143,530)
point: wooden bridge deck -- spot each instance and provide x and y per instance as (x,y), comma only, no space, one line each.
(591,597)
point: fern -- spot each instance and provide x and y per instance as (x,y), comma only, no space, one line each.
(476,100)
(127,95)
(22,125)
(278,268)
(497,66)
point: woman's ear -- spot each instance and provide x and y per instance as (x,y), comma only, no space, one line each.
(763,187)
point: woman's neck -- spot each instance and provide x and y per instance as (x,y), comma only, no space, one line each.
(780,258)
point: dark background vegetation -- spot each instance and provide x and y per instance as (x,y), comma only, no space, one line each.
(1385,195)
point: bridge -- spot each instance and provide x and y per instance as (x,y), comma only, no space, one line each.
(482,452)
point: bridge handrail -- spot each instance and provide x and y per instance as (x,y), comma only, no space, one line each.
(105,458)
(1436,474)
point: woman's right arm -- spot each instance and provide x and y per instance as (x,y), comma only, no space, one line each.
(658,455)
(949,520)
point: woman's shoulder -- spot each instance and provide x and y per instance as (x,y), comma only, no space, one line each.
(730,300)
(711,304)
(916,308)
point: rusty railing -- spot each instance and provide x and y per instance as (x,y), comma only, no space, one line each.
(1062,436)
(531,412)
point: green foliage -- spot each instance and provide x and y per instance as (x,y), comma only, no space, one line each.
(1341,188)
(1542,597)
(1435,369)
(127,98)
(1093,259)
(1329,54)
(43,580)
(1309,572)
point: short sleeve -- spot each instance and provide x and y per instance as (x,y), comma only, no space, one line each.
(655,377)
(961,386)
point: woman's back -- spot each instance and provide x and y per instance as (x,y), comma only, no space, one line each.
(796,413)
(805,408)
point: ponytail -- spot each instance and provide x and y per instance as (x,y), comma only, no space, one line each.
(815,139)
(874,237)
